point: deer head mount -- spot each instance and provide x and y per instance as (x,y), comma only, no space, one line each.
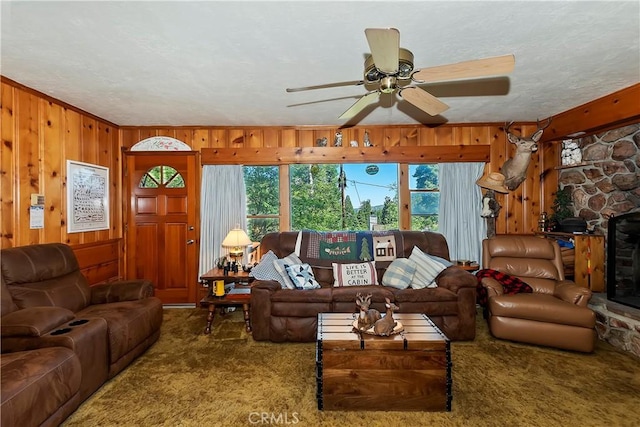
(515,168)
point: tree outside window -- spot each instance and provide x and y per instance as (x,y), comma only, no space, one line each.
(263,200)
(424,187)
(320,200)
(317,195)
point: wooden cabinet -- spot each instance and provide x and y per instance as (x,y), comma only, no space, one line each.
(588,258)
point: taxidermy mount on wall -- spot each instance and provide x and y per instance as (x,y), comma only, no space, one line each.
(515,168)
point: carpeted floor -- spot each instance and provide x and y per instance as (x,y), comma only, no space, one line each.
(227,379)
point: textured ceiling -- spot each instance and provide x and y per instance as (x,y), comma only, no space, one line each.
(228,63)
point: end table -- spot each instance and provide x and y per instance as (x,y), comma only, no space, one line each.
(210,301)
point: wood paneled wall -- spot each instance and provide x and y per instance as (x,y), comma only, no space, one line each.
(39,134)
(521,208)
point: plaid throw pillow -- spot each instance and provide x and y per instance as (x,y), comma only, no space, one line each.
(265,269)
(399,274)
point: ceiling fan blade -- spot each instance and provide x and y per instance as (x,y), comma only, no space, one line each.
(327,85)
(360,104)
(385,47)
(423,100)
(466,69)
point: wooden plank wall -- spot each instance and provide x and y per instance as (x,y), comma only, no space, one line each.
(99,261)
(521,208)
(39,134)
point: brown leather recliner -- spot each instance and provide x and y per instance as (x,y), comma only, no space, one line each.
(555,314)
(62,339)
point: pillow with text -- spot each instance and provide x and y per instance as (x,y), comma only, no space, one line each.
(357,274)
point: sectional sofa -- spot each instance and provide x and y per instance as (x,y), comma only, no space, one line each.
(61,338)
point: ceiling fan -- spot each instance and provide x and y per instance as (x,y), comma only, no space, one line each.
(390,67)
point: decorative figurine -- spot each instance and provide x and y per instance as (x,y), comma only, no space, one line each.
(367,316)
(366,142)
(387,325)
(571,154)
(353,143)
(321,142)
(337,142)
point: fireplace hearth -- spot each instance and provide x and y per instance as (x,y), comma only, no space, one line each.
(623,259)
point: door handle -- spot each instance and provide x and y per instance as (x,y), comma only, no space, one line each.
(190,242)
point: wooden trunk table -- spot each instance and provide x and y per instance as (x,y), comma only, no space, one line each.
(409,371)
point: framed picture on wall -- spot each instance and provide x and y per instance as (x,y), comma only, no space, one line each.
(87,197)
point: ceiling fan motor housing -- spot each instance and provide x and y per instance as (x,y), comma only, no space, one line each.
(405,67)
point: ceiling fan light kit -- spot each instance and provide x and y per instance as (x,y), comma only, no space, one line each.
(405,67)
(391,68)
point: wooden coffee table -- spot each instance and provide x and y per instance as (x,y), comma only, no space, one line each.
(211,302)
(409,371)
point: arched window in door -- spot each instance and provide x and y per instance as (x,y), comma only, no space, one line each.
(161,176)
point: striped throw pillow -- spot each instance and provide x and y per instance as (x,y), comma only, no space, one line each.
(279,265)
(427,269)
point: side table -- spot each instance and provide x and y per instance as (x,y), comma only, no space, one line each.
(471,267)
(211,302)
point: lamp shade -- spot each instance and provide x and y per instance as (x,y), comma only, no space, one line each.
(236,238)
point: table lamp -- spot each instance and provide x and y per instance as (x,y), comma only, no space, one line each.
(236,240)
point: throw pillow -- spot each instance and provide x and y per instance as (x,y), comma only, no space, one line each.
(357,274)
(400,273)
(427,269)
(279,265)
(302,276)
(442,261)
(265,269)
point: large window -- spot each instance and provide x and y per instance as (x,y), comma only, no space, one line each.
(263,200)
(344,197)
(424,188)
(329,197)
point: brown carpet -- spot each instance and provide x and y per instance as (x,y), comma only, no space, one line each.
(227,379)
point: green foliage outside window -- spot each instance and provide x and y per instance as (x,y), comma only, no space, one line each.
(315,197)
(162,176)
(425,197)
(263,200)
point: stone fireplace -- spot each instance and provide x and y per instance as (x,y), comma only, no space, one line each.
(607,185)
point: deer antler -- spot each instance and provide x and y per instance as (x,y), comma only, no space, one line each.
(545,126)
(507,126)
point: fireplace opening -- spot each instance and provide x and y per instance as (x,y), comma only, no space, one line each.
(623,259)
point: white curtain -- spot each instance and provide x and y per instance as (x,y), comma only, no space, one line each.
(460,207)
(223,206)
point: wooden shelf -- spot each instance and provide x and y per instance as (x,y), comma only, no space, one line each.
(577,165)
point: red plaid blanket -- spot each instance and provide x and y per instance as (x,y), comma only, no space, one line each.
(510,285)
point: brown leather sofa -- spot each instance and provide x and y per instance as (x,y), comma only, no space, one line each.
(555,314)
(40,387)
(281,315)
(48,304)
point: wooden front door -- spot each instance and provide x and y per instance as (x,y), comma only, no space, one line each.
(160,228)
